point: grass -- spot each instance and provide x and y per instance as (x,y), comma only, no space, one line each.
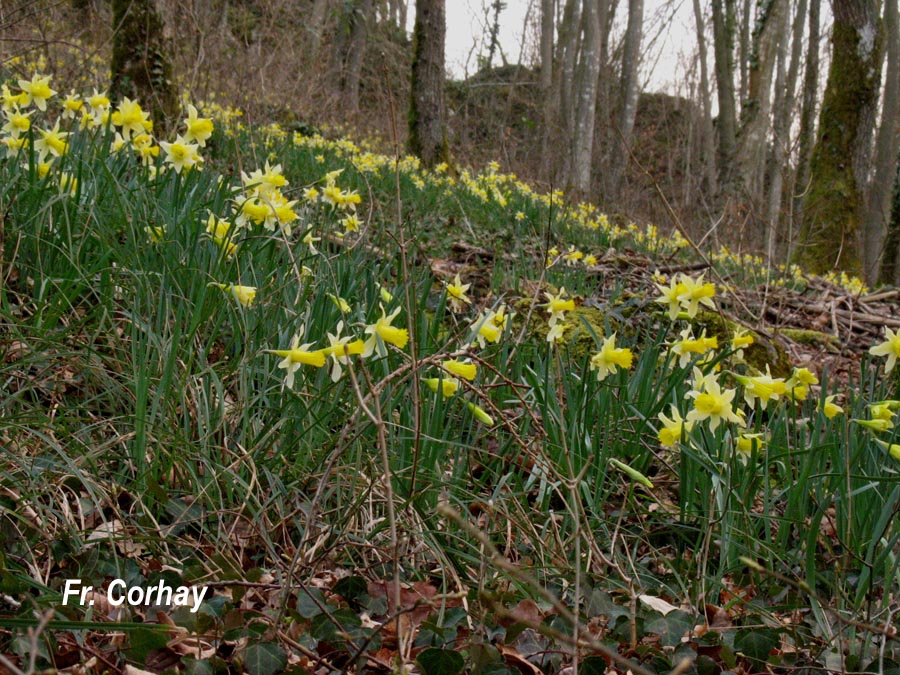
(146,432)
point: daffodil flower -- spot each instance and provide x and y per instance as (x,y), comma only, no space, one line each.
(747,443)
(480,414)
(340,349)
(456,294)
(37,89)
(467,371)
(294,357)
(557,305)
(382,332)
(610,358)
(762,387)
(673,428)
(696,293)
(180,153)
(131,118)
(51,141)
(688,345)
(830,408)
(890,348)
(340,303)
(245,295)
(669,296)
(875,425)
(197,128)
(446,386)
(712,403)
(892,448)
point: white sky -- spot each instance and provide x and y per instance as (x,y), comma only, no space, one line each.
(670,48)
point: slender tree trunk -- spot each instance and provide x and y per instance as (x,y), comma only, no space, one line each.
(427,133)
(630,91)
(744,46)
(563,125)
(756,109)
(807,133)
(140,65)
(316,27)
(840,160)
(782,112)
(878,199)
(359,31)
(723,46)
(582,141)
(784,101)
(707,131)
(888,274)
(548,23)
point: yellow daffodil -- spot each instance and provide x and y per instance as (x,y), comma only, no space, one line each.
(156,233)
(52,142)
(688,345)
(762,387)
(447,386)
(131,118)
(456,294)
(72,104)
(673,428)
(197,128)
(37,89)
(610,358)
(467,371)
(875,425)
(890,348)
(557,305)
(295,356)
(892,448)
(711,402)
(245,295)
(696,293)
(480,414)
(829,408)
(670,297)
(17,122)
(340,303)
(382,332)
(340,349)
(180,154)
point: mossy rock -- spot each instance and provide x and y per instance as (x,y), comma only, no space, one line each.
(811,338)
(763,352)
(577,342)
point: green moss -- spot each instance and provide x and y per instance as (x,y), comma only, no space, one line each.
(577,340)
(763,352)
(811,338)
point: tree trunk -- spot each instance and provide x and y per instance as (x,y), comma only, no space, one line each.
(140,67)
(316,27)
(878,199)
(707,131)
(744,47)
(888,273)
(582,141)
(548,16)
(427,133)
(359,31)
(840,160)
(806,135)
(782,111)
(561,127)
(756,108)
(723,46)
(630,90)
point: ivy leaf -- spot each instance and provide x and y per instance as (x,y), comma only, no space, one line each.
(436,661)
(264,658)
(756,643)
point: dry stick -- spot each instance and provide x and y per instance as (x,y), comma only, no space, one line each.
(502,563)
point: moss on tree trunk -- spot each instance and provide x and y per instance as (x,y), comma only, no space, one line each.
(833,208)
(140,65)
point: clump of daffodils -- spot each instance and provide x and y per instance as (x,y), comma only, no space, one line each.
(686,294)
